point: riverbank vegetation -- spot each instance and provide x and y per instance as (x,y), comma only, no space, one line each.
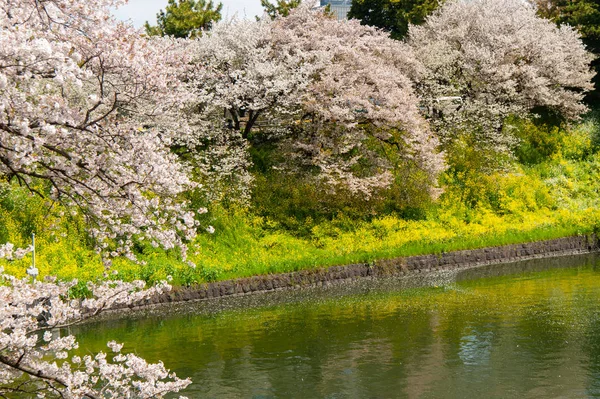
(297,172)
(294,141)
(548,190)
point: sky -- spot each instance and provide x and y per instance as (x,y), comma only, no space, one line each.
(140,11)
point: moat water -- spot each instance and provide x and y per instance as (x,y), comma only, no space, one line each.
(523,330)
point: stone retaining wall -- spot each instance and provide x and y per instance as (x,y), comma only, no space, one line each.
(386,268)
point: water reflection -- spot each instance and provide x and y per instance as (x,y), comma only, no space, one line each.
(526,331)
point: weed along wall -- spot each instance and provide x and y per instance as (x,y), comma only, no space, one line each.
(398,267)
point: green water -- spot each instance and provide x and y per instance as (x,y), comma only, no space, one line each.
(532,332)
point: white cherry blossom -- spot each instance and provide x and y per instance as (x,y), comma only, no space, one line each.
(86,105)
(487,59)
(318,88)
(36,360)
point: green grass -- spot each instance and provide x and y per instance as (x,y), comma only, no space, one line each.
(554,194)
(384,238)
(246,250)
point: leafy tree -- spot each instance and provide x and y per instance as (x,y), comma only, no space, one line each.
(393,16)
(581,14)
(185,18)
(281,7)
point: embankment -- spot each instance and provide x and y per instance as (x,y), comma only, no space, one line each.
(399,267)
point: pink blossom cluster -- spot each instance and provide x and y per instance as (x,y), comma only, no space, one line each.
(360,91)
(328,92)
(37,360)
(497,58)
(86,105)
(8,251)
(321,88)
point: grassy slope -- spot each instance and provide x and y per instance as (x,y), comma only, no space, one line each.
(554,197)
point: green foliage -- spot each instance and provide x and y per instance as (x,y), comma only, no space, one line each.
(185,18)
(541,140)
(537,142)
(280,8)
(470,168)
(393,16)
(581,14)
(551,190)
(62,243)
(298,202)
(548,201)
(296,205)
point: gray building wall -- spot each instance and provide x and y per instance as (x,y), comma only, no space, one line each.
(339,8)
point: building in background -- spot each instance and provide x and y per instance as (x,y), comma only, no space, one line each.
(339,8)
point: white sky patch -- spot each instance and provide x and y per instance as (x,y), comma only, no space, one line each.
(140,11)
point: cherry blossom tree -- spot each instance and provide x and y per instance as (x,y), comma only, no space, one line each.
(583,15)
(236,79)
(85,106)
(37,359)
(359,99)
(326,93)
(488,59)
